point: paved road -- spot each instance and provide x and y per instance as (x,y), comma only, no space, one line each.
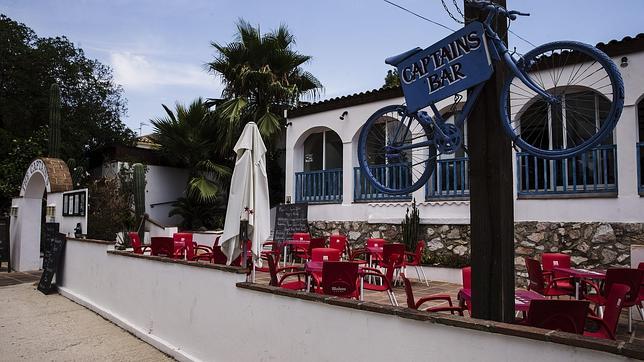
(37,327)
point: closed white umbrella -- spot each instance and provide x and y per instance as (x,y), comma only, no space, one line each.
(248,199)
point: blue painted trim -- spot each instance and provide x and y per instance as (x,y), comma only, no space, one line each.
(393,174)
(450,180)
(323,186)
(594,171)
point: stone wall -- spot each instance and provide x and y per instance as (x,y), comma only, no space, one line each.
(591,245)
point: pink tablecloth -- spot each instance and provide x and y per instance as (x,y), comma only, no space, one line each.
(522,298)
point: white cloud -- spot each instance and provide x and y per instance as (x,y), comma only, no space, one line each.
(138,72)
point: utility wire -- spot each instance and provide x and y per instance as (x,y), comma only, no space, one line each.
(448,28)
(420,16)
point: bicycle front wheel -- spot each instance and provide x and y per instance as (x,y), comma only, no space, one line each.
(394,152)
(586,97)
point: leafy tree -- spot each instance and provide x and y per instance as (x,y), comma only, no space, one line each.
(262,76)
(189,137)
(392,79)
(91,103)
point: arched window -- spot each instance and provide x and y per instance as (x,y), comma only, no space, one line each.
(554,126)
(322,151)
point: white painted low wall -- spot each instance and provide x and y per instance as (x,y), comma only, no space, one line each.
(198,313)
(438,274)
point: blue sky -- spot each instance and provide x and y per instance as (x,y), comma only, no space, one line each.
(158,49)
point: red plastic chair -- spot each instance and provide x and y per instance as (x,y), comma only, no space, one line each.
(383,284)
(415,259)
(563,315)
(269,248)
(340,279)
(552,260)
(162,246)
(393,259)
(375,242)
(538,282)
(205,252)
(629,277)
(640,299)
(614,303)
(137,246)
(466,275)
(305,253)
(183,246)
(339,242)
(325,254)
(301,236)
(288,272)
(415,304)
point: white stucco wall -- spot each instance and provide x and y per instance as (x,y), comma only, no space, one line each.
(626,207)
(198,314)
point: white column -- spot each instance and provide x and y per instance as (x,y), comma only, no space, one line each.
(289,177)
(347,172)
(626,134)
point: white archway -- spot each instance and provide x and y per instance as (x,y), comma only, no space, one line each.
(44,174)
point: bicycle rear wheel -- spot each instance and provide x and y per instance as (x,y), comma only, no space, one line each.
(588,94)
(387,155)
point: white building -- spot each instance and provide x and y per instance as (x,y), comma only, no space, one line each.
(322,166)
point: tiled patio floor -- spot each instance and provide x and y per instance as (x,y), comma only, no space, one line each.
(14,278)
(420,289)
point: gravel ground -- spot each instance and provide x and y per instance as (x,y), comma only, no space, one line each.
(38,327)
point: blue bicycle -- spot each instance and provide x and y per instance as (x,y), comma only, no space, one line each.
(559,100)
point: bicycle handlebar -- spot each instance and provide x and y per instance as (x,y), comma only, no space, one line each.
(490,6)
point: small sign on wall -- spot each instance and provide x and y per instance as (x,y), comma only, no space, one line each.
(74,203)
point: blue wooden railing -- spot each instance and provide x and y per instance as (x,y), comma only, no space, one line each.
(640,168)
(393,175)
(593,172)
(450,180)
(318,186)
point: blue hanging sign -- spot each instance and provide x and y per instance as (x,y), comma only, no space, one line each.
(452,65)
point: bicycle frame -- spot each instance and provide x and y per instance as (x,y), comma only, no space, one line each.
(499,53)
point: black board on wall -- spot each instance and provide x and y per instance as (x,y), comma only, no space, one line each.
(290,219)
(52,262)
(5,250)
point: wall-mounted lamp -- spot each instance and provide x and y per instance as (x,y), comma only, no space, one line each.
(14,211)
(288,199)
(344,114)
(51,212)
(624,62)
(288,124)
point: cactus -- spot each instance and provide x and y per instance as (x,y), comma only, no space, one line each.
(411,227)
(139,195)
(54,121)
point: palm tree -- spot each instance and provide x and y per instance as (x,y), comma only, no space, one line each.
(262,76)
(189,137)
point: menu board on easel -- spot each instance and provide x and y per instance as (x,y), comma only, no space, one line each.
(52,262)
(290,219)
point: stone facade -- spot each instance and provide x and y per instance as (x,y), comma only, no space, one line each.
(591,245)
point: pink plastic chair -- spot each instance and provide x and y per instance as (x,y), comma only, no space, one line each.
(137,246)
(375,243)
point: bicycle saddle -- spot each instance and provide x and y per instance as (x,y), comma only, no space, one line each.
(394,60)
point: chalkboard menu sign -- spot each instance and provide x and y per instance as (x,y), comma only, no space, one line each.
(5,252)
(52,263)
(290,219)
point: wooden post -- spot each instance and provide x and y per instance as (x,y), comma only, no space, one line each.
(491,198)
